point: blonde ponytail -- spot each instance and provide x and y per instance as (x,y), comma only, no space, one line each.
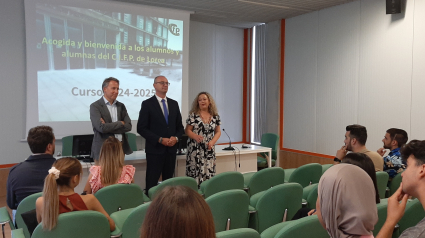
(111,161)
(59,175)
(51,203)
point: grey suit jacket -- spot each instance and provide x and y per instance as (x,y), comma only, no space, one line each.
(102,131)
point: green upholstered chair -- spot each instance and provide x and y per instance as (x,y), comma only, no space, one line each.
(67,143)
(18,233)
(382,216)
(247,177)
(222,182)
(270,140)
(130,220)
(275,205)
(310,195)
(27,204)
(184,181)
(382,181)
(288,173)
(120,196)
(305,227)
(394,184)
(90,224)
(325,167)
(229,209)
(131,137)
(238,233)
(5,219)
(273,230)
(306,175)
(413,214)
(265,179)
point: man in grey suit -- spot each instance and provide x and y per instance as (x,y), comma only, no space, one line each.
(109,118)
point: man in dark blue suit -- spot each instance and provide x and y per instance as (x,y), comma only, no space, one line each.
(160,123)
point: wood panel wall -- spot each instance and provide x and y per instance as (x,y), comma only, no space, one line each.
(289,160)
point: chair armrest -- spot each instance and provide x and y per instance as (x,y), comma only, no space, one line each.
(116,233)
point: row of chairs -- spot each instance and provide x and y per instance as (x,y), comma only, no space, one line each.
(129,222)
(255,183)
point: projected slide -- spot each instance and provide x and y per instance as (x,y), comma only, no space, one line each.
(74,49)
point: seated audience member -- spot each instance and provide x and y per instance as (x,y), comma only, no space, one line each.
(59,196)
(346,202)
(413,184)
(27,177)
(393,140)
(111,169)
(361,160)
(178,212)
(355,141)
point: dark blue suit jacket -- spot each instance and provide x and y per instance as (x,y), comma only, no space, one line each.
(152,125)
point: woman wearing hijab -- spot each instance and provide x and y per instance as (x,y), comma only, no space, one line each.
(346,204)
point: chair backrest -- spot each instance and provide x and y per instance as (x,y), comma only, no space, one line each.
(382,216)
(27,204)
(132,140)
(67,143)
(305,227)
(306,174)
(310,195)
(273,204)
(382,180)
(230,204)
(265,179)
(325,167)
(90,224)
(270,140)
(120,196)
(133,223)
(184,181)
(412,215)
(238,233)
(222,182)
(395,183)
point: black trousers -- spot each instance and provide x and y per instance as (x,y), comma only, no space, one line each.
(157,164)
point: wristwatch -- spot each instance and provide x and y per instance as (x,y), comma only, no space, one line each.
(337,160)
(160,140)
(177,139)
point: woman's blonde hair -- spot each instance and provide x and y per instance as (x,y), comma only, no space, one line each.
(68,167)
(111,160)
(212,109)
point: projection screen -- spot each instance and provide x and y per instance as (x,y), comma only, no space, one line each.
(72,46)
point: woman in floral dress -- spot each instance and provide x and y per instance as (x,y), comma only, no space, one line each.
(203,130)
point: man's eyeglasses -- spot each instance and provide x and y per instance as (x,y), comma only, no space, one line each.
(164,83)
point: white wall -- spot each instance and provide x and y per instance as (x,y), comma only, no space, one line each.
(216,66)
(353,64)
(223,46)
(13,84)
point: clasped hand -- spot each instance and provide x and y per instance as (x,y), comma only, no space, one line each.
(169,141)
(200,139)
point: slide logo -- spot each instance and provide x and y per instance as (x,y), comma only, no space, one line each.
(174,29)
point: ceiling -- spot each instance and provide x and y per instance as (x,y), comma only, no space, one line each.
(242,13)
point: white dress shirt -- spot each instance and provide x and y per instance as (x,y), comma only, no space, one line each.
(114,115)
